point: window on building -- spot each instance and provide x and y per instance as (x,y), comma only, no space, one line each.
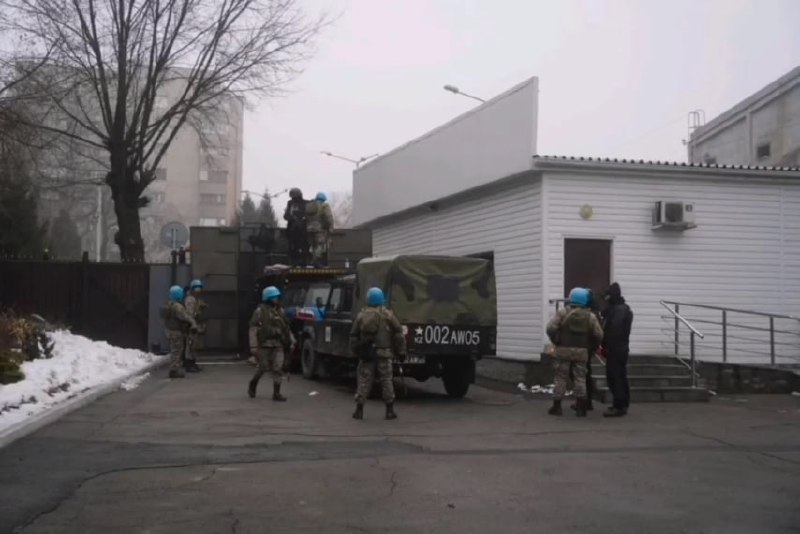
(763,151)
(211,221)
(218,176)
(161,174)
(203,176)
(206,198)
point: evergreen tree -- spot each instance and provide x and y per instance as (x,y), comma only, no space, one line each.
(246,214)
(21,234)
(65,240)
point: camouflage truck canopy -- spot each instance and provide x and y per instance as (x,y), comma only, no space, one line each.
(433,289)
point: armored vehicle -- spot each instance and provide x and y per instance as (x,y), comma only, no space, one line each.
(447,306)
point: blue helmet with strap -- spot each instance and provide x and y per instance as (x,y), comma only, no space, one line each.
(270,293)
(196,284)
(176,293)
(375,297)
(322,197)
(579,297)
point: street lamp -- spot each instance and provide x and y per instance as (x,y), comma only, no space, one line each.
(273,195)
(456,91)
(356,162)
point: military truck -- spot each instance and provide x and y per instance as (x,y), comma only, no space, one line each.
(447,306)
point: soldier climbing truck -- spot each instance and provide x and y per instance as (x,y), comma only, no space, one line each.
(447,306)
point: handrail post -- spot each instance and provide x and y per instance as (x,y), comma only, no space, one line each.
(691,350)
(772,340)
(677,326)
(724,336)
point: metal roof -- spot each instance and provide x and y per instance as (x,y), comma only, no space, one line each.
(623,161)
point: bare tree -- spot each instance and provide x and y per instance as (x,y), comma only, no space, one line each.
(124,76)
(342,207)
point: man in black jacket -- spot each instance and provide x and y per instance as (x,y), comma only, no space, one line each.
(617,320)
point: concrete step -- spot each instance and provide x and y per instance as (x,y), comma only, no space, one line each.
(646,394)
(647,369)
(650,381)
(667,360)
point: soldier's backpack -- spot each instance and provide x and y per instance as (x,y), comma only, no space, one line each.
(574,329)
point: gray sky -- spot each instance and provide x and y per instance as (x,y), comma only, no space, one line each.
(617,77)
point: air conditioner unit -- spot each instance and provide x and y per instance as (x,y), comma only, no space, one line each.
(672,215)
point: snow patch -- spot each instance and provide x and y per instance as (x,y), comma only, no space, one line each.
(78,365)
(134,382)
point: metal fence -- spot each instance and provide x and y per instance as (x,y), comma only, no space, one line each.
(102,301)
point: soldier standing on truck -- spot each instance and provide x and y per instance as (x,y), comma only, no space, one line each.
(195,306)
(320,224)
(574,330)
(178,323)
(270,338)
(375,337)
(296,231)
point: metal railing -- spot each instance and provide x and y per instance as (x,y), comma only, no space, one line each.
(765,325)
(693,332)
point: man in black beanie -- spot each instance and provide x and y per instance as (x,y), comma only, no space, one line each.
(617,320)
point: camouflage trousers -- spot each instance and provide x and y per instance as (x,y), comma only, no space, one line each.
(191,342)
(366,376)
(177,341)
(319,247)
(270,360)
(562,369)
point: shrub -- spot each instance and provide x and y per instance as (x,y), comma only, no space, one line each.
(25,335)
(9,367)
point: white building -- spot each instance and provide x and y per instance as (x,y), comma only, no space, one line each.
(474,187)
(763,129)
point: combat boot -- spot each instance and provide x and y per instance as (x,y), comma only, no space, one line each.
(390,411)
(359,413)
(589,405)
(580,408)
(251,387)
(556,408)
(276,393)
(192,367)
(176,373)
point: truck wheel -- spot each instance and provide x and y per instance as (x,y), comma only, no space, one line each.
(309,362)
(456,378)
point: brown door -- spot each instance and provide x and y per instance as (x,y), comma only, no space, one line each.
(587,263)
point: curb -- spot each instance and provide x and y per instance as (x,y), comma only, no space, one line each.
(43,419)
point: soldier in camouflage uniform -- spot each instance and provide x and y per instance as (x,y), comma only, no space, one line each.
(178,323)
(376,334)
(195,306)
(269,338)
(320,224)
(574,330)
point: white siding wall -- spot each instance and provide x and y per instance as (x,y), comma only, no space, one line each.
(745,252)
(507,222)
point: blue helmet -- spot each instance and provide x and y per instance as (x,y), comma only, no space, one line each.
(375,297)
(270,293)
(196,284)
(579,297)
(176,293)
(322,197)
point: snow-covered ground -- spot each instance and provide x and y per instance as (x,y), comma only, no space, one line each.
(78,365)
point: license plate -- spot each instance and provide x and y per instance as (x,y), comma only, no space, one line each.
(446,335)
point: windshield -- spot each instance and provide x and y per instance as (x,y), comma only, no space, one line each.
(317,295)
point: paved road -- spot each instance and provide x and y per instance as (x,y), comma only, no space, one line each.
(198,456)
